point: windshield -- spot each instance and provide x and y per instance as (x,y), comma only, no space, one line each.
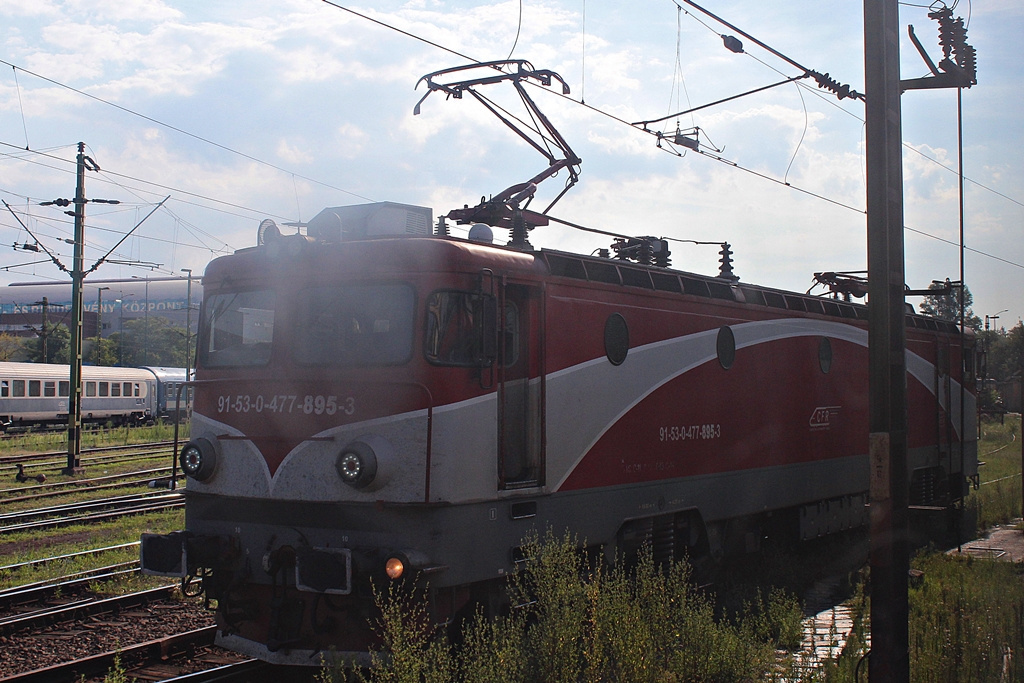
(354,325)
(237,329)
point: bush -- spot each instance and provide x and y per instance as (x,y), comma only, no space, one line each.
(965,618)
(572,621)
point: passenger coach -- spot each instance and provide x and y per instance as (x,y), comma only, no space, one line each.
(37,394)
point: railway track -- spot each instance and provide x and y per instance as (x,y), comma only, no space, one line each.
(77,609)
(38,491)
(92,511)
(58,642)
(42,591)
(185,656)
(59,458)
(135,657)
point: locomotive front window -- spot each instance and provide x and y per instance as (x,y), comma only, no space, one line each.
(355,325)
(237,329)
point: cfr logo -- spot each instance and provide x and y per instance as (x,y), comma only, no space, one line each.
(824,417)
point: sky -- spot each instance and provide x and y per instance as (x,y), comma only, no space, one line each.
(279,108)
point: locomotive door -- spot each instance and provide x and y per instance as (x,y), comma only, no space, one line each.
(519,388)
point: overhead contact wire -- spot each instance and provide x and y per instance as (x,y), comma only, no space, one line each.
(184,132)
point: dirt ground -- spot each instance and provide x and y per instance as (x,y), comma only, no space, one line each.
(1001,543)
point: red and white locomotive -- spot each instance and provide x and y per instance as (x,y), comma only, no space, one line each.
(378,403)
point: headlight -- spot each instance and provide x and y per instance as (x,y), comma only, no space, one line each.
(394,568)
(357,464)
(198,459)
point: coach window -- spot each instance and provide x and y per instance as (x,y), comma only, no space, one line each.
(19,388)
(115,388)
(64,388)
(104,389)
(90,388)
(237,328)
(49,389)
(34,388)
(355,325)
(5,388)
(135,386)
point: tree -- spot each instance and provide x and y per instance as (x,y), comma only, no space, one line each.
(58,342)
(152,341)
(947,306)
(102,352)
(1004,351)
(10,346)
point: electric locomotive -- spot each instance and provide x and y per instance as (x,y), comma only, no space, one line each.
(378,402)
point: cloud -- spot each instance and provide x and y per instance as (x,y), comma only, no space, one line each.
(292,154)
(314,89)
(121,11)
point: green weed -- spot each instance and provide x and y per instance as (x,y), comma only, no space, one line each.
(575,621)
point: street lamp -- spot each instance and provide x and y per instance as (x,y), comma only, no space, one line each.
(993,318)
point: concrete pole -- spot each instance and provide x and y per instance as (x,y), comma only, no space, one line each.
(890,554)
(74,465)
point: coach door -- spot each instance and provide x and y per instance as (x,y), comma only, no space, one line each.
(520,388)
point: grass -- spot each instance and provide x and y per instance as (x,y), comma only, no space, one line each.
(27,546)
(966,624)
(998,499)
(57,440)
(965,616)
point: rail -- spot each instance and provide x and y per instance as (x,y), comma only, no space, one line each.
(110,508)
(82,608)
(100,664)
